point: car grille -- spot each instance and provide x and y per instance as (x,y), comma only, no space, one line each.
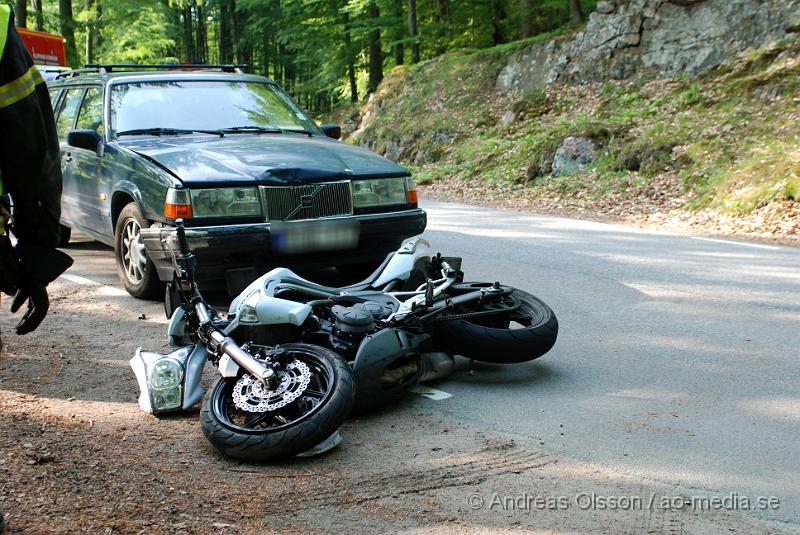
(292,203)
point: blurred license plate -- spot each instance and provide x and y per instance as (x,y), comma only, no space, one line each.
(310,236)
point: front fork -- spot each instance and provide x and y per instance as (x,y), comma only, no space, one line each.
(220,344)
(231,355)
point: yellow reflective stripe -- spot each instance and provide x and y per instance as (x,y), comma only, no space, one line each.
(20,88)
(5,15)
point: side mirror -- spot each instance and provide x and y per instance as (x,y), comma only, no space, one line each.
(85,139)
(332,130)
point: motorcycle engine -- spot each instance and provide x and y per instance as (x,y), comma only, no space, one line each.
(352,323)
(354,320)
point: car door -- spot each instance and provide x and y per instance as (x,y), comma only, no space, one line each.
(66,114)
(89,171)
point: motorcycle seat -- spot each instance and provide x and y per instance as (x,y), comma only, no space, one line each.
(289,280)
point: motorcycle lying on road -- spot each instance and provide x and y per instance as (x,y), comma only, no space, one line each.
(295,357)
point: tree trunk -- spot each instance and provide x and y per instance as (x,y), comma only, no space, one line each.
(526,30)
(412,30)
(350,57)
(225,27)
(98,26)
(90,32)
(441,16)
(399,50)
(37,8)
(351,74)
(498,14)
(289,72)
(375,75)
(244,49)
(21,13)
(174,15)
(68,30)
(323,102)
(188,35)
(201,43)
(270,56)
(575,11)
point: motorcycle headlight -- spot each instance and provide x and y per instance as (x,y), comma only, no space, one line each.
(225,202)
(161,379)
(166,399)
(165,373)
(379,192)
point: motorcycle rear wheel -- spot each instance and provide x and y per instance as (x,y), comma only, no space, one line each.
(317,413)
(525,332)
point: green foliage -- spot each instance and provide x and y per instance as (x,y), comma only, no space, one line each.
(143,32)
(311,47)
(728,140)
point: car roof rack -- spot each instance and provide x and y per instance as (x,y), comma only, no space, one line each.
(105,68)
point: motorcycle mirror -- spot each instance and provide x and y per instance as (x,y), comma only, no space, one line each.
(172,299)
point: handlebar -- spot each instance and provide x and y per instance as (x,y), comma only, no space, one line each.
(185,262)
(425,294)
(184,245)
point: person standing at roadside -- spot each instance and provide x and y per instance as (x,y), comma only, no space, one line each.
(30,173)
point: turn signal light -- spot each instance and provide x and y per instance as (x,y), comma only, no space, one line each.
(178,204)
(411,188)
(178,211)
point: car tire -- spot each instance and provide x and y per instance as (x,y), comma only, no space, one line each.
(136,272)
(65,233)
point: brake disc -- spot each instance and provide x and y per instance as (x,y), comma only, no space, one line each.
(252,396)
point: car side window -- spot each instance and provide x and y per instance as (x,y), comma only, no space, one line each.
(54,97)
(67,111)
(91,114)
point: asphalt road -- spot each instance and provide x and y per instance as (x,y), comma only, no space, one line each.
(678,357)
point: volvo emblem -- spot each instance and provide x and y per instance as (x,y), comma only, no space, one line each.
(307,201)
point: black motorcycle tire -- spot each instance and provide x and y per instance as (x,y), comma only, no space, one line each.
(287,441)
(501,344)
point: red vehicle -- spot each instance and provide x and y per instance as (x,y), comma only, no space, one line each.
(45,48)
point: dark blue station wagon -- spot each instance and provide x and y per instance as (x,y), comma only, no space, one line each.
(256,181)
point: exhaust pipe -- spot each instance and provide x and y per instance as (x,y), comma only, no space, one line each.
(435,366)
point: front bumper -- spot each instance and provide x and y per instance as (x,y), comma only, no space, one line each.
(246,250)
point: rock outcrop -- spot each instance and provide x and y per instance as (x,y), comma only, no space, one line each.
(628,38)
(575,154)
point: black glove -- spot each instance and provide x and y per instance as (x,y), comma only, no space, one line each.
(38,304)
(39,266)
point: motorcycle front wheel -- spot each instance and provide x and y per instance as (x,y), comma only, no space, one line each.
(314,396)
(517,328)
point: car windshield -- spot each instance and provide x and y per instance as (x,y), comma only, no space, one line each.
(191,105)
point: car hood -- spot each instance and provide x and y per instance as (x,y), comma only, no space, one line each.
(270,159)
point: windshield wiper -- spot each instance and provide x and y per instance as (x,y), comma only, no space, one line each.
(309,133)
(159,131)
(262,130)
(254,129)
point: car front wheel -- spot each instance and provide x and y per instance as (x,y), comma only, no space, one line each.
(136,272)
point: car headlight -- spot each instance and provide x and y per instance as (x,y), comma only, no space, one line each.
(225,202)
(380,192)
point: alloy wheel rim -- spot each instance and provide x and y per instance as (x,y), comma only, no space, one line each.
(134,260)
(313,398)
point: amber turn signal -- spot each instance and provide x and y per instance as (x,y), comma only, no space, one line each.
(178,204)
(178,211)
